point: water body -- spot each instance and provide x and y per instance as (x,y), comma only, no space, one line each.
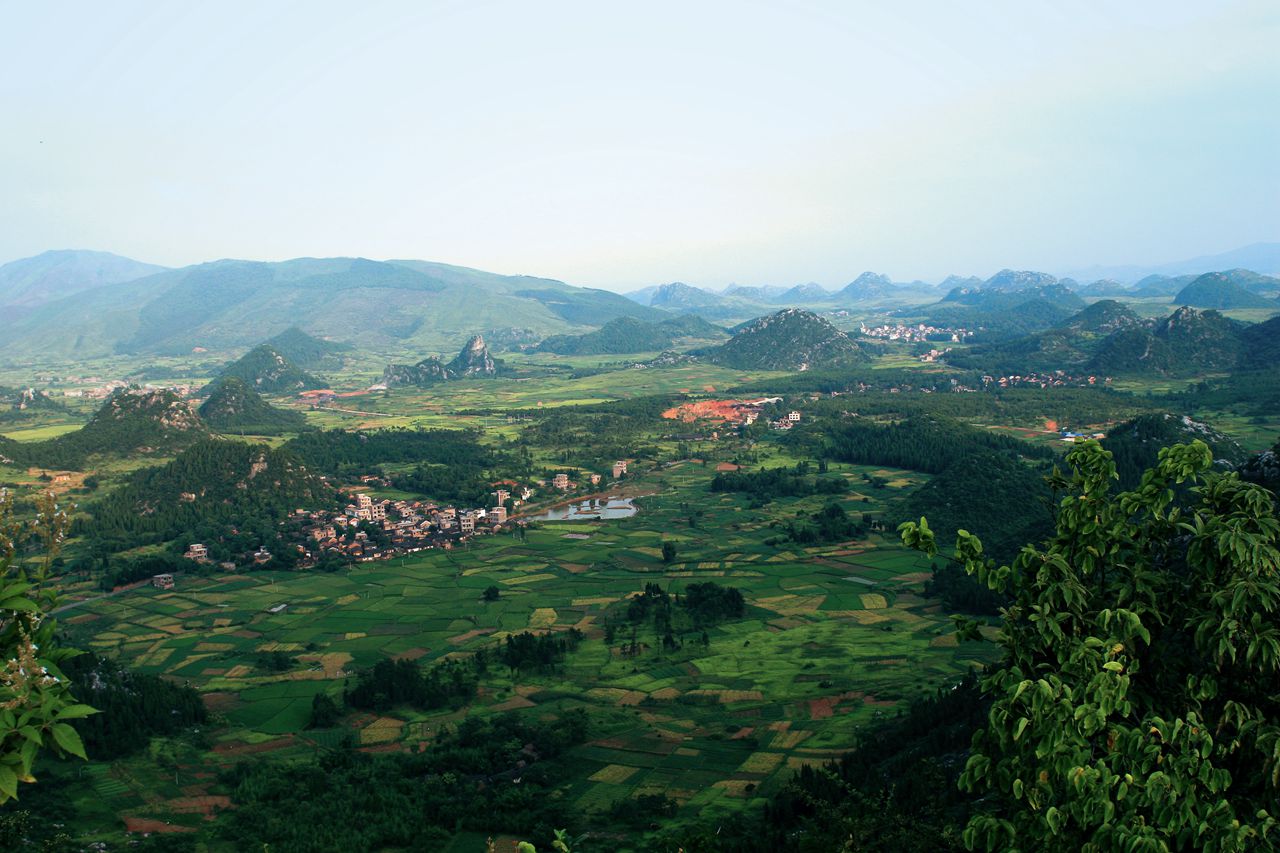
(593,509)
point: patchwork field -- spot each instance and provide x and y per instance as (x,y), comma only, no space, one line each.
(834,637)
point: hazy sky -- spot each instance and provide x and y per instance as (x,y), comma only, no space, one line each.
(619,145)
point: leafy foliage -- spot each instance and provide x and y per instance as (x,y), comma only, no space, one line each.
(1137,705)
(37,710)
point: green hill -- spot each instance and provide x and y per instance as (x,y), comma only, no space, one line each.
(1000,312)
(132,421)
(791,339)
(1260,345)
(1101,318)
(628,335)
(233,304)
(232,406)
(211,484)
(266,370)
(309,353)
(1222,291)
(1068,345)
(25,404)
(1184,343)
(1135,444)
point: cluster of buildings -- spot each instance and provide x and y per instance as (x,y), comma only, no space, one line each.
(918,333)
(1054,379)
(1072,437)
(398,527)
(562,482)
(100,389)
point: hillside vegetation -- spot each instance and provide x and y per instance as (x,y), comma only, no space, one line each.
(266,370)
(628,335)
(791,339)
(233,406)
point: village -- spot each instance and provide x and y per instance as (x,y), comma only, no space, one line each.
(371,528)
(915,333)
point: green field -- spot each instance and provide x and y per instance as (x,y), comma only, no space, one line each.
(835,637)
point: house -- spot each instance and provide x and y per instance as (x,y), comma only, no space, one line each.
(467,523)
(794,417)
(498,515)
(262,555)
(162,581)
(501,496)
(619,468)
(197,552)
(595,479)
(560,481)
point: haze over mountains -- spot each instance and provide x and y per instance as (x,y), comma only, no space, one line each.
(87,304)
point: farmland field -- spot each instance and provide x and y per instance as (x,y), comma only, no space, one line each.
(834,638)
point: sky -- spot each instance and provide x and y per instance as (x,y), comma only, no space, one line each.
(621,145)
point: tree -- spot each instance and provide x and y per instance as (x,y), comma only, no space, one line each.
(1137,705)
(325,712)
(492,593)
(668,552)
(36,706)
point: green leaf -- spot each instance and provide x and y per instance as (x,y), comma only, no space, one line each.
(76,712)
(1020,727)
(8,783)
(68,739)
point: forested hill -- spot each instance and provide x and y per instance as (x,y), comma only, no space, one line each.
(1184,343)
(978,475)
(306,351)
(131,421)
(628,335)
(1108,338)
(232,406)
(269,371)
(926,443)
(791,339)
(207,486)
(1135,444)
(999,312)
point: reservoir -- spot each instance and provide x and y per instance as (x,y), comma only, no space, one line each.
(592,509)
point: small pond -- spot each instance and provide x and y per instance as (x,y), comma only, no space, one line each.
(592,509)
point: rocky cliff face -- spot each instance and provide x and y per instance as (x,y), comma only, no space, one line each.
(473,360)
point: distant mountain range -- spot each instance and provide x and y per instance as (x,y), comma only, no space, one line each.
(47,277)
(233,304)
(79,304)
(1262,257)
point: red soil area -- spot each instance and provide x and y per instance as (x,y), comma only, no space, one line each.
(704,410)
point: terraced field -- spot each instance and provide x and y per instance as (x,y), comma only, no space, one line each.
(834,636)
